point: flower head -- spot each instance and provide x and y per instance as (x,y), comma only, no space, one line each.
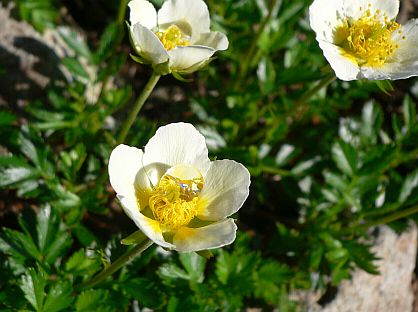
(361,39)
(175,194)
(177,36)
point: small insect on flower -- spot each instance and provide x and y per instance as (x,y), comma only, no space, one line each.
(172,191)
(178,35)
(361,39)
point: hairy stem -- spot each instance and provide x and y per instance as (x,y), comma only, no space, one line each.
(137,107)
(116,265)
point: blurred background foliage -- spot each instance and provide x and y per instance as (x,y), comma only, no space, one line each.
(329,159)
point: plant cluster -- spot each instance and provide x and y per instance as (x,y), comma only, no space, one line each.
(329,160)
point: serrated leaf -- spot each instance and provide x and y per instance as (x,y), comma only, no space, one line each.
(58,297)
(408,186)
(12,176)
(75,41)
(194,265)
(172,272)
(75,68)
(33,287)
(344,156)
(372,118)
(16,243)
(147,293)
(91,300)
(106,41)
(53,240)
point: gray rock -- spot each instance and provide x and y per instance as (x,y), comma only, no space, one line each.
(391,291)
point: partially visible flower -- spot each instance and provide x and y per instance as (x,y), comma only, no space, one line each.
(361,39)
(172,191)
(178,36)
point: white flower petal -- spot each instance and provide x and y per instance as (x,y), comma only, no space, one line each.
(345,69)
(225,189)
(325,16)
(149,227)
(147,44)
(388,7)
(142,11)
(183,58)
(404,61)
(208,237)
(178,143)
(145,180)
(195,13)
(124,163)
(215,40)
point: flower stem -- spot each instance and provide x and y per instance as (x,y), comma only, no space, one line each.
(390,218)
(137,106)
(121,12)
(116,265)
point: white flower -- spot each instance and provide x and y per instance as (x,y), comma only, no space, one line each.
(361,39)
(178,35)
(175,194)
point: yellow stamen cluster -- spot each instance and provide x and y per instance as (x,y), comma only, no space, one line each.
(172,37)
(174,201)
(368,40)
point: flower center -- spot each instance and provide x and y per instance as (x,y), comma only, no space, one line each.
(172,37)
(368,39)
(174,201)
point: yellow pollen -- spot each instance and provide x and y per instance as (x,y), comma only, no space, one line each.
(174,201)
(172,37)
(367,41)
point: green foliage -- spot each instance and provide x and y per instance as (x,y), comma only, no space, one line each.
(327,159)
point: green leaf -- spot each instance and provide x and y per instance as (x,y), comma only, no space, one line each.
(372,122)
(409,112)
(53,240)
(33,287)
(80,264)
(268,278)
(179,77)
(171,271)
(139,59)
(58,297)
(106,42)
(13,176)
(6,118)
(344,156)
(266,74)
(194,265)
(207,254)
(147,293)
(75,68)
(134,238)
(335,181)
(92,300)
(385,86)
(408,186)
(18,244)
(75,41)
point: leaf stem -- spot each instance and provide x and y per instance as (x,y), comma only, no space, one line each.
(137,107)
(116,265)
(385,220)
